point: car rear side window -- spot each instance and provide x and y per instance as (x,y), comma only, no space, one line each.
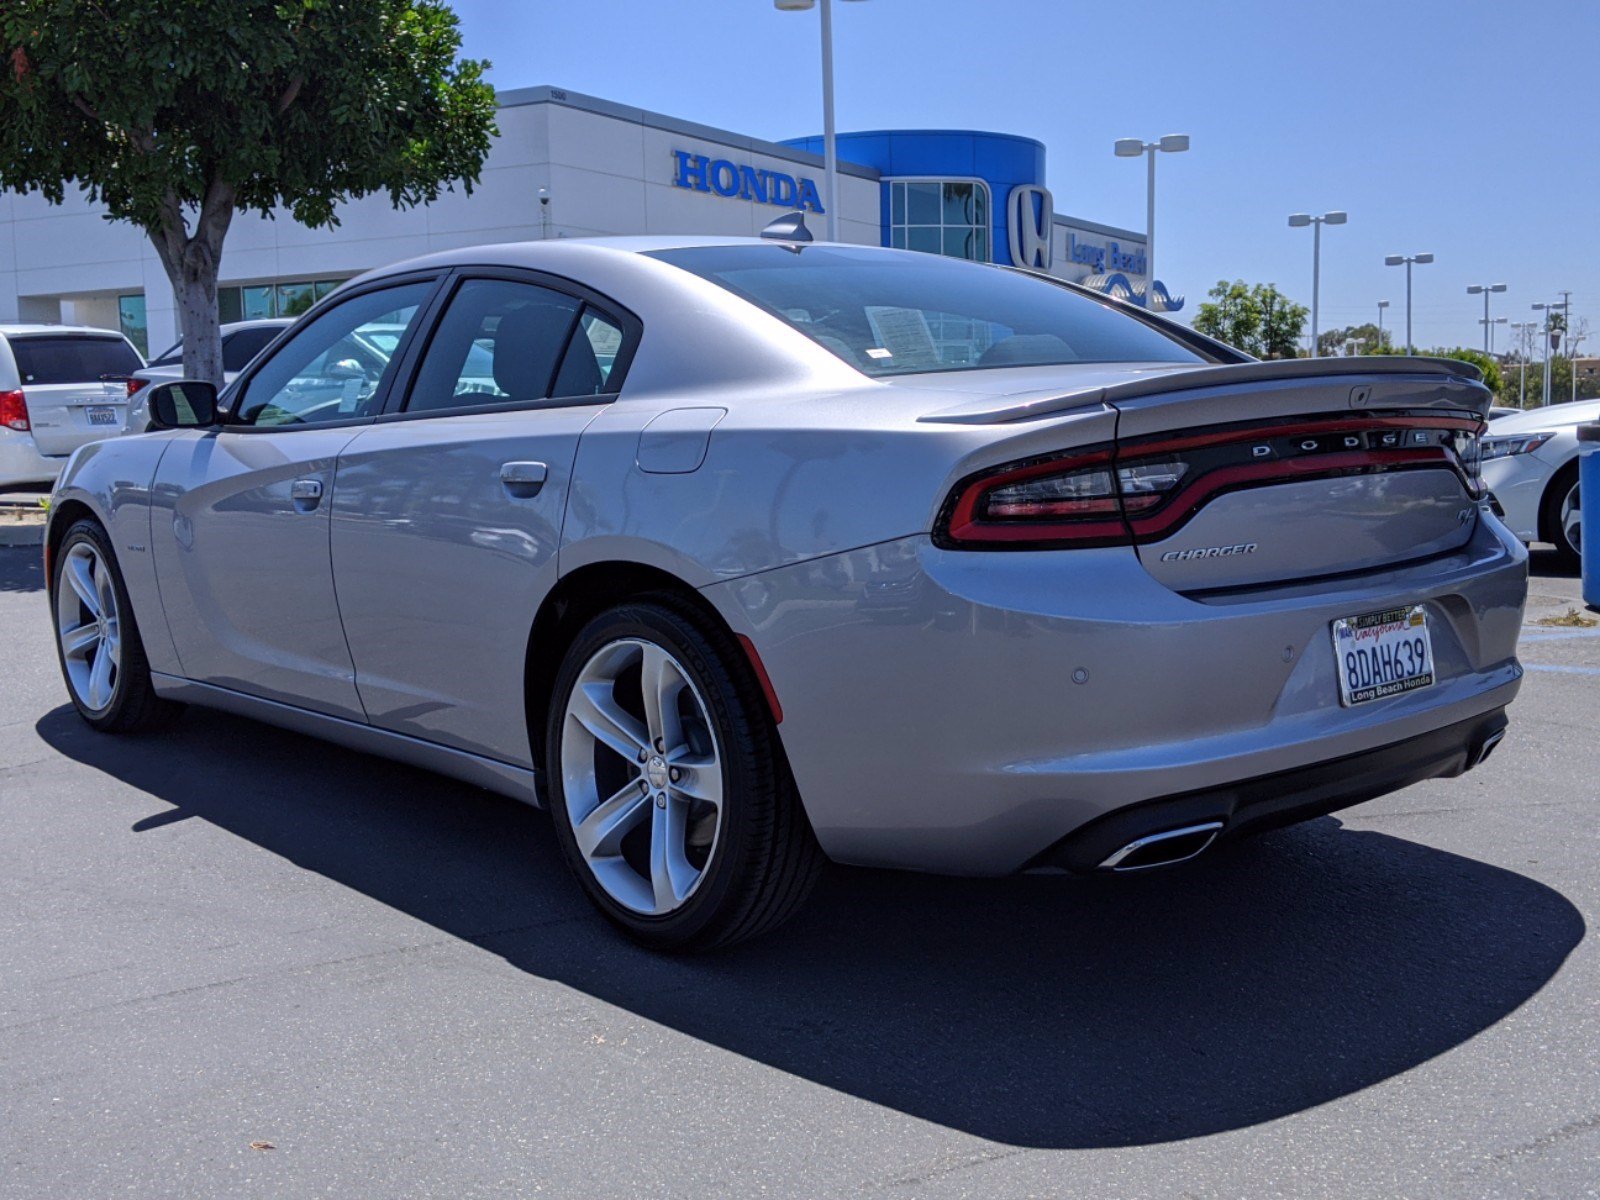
(73,358)
(239,348)
(889,313)
(501,342)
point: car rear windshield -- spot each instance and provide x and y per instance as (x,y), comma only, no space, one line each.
(898,312)
(73,358)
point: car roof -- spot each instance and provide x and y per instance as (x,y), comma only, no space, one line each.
(258,323)
(41,330)
(569,253)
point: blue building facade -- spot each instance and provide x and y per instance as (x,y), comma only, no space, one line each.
(981,195)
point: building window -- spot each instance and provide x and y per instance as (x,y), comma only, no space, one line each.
(130,317)
(940,216)
(271,300)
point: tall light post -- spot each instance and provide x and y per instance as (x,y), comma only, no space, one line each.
(1300,221)
(1382,304)
(1524,344)
(1544,338)
(1173,143)
(1489,336)
(1485,288)
(1524,330)
(1394,260)
(830,154)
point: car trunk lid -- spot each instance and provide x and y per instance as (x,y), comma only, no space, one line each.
(1254,474)
(1327,476)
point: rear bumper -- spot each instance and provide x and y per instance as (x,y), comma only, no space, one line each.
(965,712)
(1271,801)
(21,462)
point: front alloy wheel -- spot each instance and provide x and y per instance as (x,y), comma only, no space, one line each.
(97,638)
(89,626)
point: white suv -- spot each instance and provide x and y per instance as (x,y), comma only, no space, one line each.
(61,386)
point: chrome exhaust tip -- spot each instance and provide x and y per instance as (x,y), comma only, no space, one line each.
(1163,849)
(1486,747)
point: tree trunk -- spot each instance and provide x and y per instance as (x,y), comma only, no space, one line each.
(191,262)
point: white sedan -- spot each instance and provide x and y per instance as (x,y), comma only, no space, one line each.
(1530,464)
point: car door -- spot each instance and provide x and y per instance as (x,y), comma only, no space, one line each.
(447,511)
(239,513)
(75,385)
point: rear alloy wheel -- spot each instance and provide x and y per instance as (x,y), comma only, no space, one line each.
(1563,516)
(669,792)
(97,639)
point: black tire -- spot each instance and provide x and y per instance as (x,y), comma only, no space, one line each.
(766,858)
(134,706)
(1568,557)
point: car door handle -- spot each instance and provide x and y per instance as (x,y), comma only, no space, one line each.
(523,479)
(306,493)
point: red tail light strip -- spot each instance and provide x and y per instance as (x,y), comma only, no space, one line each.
(966,522)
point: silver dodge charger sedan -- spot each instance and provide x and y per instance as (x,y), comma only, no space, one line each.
(741,555)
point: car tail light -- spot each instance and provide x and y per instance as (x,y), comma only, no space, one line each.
(135,384)
(14,411)
(1145,489)
(1078,500)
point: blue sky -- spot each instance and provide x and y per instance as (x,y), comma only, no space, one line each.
(1460,127)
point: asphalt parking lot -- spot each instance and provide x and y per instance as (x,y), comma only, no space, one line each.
(228,937)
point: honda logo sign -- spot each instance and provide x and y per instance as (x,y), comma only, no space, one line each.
(1030,217)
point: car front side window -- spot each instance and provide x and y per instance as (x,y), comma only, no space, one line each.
(336,367)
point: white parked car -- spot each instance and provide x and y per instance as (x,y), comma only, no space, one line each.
(1530,464)
(241,342)
(61,387)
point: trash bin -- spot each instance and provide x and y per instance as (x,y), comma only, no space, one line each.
(1589,485)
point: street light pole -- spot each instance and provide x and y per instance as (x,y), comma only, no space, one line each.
(1172,143)
(1489,325)
(1523,328)
(1382,304)
(1544,338)
(1485,288)
(830,153)
(1300,221)
(1394,260)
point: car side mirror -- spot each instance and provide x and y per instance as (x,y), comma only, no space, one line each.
(182,404)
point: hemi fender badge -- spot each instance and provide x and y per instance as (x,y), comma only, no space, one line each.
(1209,552)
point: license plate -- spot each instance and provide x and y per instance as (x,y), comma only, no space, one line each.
(102,414)
(1382,654)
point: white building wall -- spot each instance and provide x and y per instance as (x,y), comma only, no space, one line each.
(608,170)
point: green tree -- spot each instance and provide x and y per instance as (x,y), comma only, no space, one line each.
(1366,337)
(1258,319)
(175,114)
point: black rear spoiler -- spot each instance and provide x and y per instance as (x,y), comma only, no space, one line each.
(1024,406)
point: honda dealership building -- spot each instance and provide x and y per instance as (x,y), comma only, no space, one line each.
(567,165)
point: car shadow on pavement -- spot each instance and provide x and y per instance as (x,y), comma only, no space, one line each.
(21,569)
(1046,1012)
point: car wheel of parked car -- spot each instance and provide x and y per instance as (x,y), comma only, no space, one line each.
(671,795)
(1561,518)
(97,638)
